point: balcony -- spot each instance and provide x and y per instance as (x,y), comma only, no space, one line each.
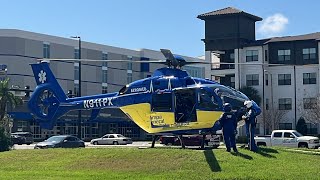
(222,69)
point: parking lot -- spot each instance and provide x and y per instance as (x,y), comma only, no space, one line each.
(142,144)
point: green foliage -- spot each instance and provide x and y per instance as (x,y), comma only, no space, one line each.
(252,93)
(5,141)
(6,98)
(158,163)
(301,126)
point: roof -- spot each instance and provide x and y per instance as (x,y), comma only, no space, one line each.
(311,36)
(228,11)
(259,42)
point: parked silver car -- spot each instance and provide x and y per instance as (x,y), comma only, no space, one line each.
(114,139)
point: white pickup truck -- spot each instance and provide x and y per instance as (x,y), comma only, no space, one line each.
(288,138)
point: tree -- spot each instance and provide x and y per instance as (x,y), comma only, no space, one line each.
(6,98)
(311,110)
(252,94)
(301,126)
(273,117)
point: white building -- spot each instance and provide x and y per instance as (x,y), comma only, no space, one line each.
(284,70)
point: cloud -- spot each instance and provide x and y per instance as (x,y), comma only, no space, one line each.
(273,25)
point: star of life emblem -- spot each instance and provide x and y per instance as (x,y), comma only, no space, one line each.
(42,76)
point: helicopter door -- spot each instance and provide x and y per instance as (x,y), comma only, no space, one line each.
(185,105)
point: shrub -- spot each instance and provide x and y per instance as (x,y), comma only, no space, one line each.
(5,141)
(301,126)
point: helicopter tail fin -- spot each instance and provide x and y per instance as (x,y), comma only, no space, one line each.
(45,101)
(44,77)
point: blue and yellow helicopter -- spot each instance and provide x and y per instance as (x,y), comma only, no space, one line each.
(170,101)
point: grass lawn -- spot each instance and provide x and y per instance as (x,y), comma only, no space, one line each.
(158,163)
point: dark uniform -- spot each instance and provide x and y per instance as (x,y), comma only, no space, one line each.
(250,120)
(228,123)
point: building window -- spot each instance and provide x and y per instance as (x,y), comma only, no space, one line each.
(267,79)
(309,53)
(267,104)
(284,79)
(251,55)
(312,128)
(129,78)
(232,81)
(285,104)
(76,89)
(144,66)
(46,50)
(76,53)
(104,76)
(284,55)
(76,71)
(309,103)
(309,78)
(285,126)
(129,65)
(265,55)
(104,57)
(252,79)
(231,57)
(22,125)
(195,71)
(104,89)
(36,130)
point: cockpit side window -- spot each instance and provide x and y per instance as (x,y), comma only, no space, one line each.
(189,81)
(123,90)
(162,102)
(207,101)
(232,96)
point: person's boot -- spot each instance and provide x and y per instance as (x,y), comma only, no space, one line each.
(235,150)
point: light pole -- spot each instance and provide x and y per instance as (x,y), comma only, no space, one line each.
(79,92)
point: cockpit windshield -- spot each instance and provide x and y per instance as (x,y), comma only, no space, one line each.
(123,90)
(230,95)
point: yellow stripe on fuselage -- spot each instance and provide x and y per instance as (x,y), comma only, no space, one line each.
(142,115)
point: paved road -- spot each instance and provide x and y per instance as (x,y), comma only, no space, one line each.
(139,144)
(142,144)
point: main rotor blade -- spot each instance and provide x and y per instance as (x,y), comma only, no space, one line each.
(165,62)
(169,56)
(100,60)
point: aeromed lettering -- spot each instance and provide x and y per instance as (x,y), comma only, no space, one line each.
(96,103)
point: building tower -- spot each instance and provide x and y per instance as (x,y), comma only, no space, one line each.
(226,31)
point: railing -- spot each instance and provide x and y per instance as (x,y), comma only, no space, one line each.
(222,66)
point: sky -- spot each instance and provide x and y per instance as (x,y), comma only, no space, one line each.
(152,24)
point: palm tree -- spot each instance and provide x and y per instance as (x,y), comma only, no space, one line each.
(6,98)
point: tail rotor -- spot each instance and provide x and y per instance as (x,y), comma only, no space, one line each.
(47,97)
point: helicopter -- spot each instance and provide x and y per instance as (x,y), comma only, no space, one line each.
(170,101)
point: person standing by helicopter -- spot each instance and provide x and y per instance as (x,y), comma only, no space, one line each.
(250,118)
(228,122)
